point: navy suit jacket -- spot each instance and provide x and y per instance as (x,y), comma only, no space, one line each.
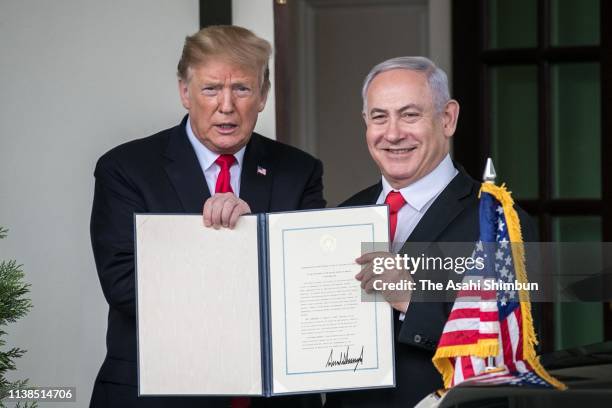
(161,174)
(452,217)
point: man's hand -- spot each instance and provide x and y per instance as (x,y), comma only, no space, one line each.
(398,299)
(223,210)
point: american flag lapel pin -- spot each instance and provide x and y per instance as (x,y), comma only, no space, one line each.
(261,171)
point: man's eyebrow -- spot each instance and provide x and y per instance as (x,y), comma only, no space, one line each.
(377,110)
(410,106)
(211,82)
(403,108)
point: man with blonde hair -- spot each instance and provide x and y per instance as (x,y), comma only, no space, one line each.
(213,163)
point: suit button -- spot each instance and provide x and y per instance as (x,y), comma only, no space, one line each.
(417,338)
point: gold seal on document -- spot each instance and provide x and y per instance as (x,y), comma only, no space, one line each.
(327,243)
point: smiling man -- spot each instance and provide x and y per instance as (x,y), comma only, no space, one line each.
(211,163)
(410,120)
(408,126)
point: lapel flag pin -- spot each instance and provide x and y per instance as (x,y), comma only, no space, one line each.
(262,171)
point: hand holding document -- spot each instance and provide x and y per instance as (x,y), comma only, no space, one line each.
(395,284)
(223,210)
(271,307)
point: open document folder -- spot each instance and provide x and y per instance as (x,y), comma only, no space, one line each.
(271,307)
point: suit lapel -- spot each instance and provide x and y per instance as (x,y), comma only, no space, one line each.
(447,206)
(371,194)
(184,171)
(256,176)
(366,196)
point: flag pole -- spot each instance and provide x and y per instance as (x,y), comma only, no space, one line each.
(489,176)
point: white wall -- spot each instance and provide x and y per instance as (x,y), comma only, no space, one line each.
(258,16)
(77,77)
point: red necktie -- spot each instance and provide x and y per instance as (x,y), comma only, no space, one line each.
(223,185)
(396,202)
(240,402)
(224,161)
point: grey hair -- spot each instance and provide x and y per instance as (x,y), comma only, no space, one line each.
(436,78)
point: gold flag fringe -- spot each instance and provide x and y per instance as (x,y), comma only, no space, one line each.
(490,347)
(518,254)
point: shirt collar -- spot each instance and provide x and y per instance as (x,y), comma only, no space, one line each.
(419,193)
(205,156)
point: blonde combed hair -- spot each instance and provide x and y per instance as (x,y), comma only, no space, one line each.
(232,43)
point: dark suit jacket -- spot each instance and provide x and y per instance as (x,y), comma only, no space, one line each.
(161,174)
(453,217)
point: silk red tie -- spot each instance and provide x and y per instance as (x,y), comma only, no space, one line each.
(241,402)
(223,185)
(396,202)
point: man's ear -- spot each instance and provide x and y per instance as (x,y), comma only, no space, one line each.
(264,98)
(183,87)
(449,117)
(365,118)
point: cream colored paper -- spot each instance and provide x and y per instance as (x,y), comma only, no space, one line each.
(317,311)
(198,307)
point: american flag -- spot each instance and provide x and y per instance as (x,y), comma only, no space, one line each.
(493,323)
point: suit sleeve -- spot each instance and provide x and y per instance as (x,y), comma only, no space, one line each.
(112,234)
(423,324)
(312,197)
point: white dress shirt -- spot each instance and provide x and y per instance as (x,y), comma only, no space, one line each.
(419,196)
(206,158)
